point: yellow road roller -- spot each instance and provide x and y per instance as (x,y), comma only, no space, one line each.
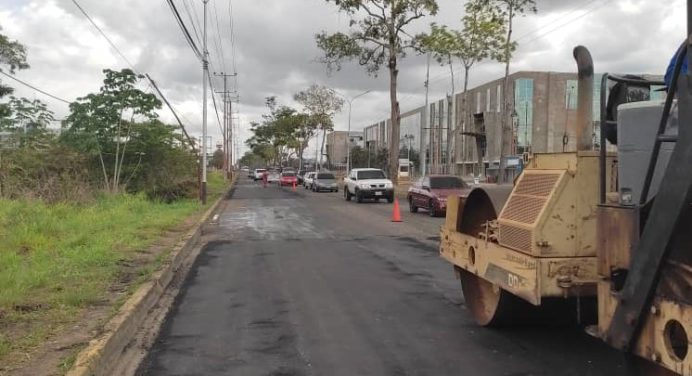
(601,231)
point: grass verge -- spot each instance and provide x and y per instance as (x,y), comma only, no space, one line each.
(56,260)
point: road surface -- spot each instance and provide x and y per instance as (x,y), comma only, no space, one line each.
(303,283)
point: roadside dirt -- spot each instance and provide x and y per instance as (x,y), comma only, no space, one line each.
(66,339)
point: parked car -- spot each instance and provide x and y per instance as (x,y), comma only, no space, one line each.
(288,178)
(257,175)
(300,175)
(273,177)
(324,181)
(431,192)
(307,179)
(363,183)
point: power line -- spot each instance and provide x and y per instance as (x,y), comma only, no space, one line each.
(576,9)
(35,88)
(192,144)
(460,70)
(218,32)
(108,39)
(151,81)
(231,26)
(213,98)
(104,35)
(192,22)
(568,22)
(186,33)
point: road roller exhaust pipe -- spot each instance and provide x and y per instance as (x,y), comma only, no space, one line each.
(584,98)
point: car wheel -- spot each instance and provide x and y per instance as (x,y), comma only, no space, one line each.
(336,190)
(390,199)
(411,206)
(347,194)
(359,197)
(431,209)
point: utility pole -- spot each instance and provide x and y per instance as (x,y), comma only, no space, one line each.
(205,74)
(426,122)
(232,139)
(227,129)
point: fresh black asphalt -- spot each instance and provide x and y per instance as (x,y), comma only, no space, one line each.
(303,283)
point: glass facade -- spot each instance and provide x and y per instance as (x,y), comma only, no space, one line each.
(523,105)
(409,131)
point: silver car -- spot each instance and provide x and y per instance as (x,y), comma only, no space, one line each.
(324,181)
(307,180)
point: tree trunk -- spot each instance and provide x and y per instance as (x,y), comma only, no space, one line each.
(506,130)
(394,119)
(114,187)
(324,136)
(105,174)
(300,155)
(122,155)
(464,117)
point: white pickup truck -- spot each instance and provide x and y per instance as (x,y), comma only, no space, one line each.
(363,183)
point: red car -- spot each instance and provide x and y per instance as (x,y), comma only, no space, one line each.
(431,193)
(288,178)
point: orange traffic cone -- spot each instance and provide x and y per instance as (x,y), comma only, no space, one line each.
(294,186)
(396,214)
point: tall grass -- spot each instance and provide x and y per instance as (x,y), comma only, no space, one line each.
(58,258)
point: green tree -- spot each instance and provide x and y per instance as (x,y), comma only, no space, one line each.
(159,163)
(26,114)
(508,10)
(102,123)
(252,160)
(378,37)
(12,58)
(482,37)
(321,103)
(276,138)
(217,159)
(359,157)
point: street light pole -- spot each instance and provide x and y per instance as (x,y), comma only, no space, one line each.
(348,134)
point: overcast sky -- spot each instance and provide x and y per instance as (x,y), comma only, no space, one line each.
(275,52)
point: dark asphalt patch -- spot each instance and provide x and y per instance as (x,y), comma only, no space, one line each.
(337,290)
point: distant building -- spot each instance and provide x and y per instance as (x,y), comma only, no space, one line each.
(337,146)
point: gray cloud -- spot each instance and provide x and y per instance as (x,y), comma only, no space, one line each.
(276,52)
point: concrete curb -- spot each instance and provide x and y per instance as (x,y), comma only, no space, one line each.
(103,354)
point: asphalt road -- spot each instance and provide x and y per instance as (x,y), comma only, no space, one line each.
(303,283)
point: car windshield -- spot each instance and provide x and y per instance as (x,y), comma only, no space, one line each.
(370,174)
(325,176)
(446,182)
(289,174)
(260,170)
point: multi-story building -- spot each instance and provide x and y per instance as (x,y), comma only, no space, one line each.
(337,146)
(541,114)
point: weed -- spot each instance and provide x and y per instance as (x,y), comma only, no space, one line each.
(63,257)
